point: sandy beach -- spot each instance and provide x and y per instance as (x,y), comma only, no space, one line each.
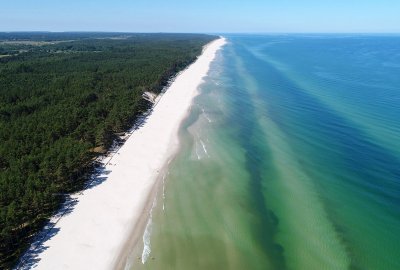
(94,234)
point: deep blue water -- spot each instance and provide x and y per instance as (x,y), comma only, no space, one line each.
(336,100)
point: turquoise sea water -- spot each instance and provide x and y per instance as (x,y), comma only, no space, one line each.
(290,159)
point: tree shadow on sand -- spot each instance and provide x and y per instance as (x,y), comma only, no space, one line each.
(31,257)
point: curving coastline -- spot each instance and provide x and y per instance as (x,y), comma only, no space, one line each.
(98,229)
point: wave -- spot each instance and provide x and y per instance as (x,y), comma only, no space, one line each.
(206,116)
(163,191)
(204,148)
(147,235)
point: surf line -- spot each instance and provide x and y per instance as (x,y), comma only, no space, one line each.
(147,234)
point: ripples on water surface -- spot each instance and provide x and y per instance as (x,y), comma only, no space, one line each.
(290,159)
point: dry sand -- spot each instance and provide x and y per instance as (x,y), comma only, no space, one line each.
(94,234)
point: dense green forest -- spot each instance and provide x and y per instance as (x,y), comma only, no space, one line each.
(63,99)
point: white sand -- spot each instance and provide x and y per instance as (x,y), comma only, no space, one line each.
(93,235)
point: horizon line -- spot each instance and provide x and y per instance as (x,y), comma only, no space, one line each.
(198,32)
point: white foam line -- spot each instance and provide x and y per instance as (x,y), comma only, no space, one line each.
(147,235)
(163,191)
(204,148)
(206,116)
(197,152)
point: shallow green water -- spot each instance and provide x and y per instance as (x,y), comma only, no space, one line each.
(288,161)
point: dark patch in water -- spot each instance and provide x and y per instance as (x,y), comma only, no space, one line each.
(248,130)
(362,163)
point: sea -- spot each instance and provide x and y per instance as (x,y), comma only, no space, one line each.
(289,159)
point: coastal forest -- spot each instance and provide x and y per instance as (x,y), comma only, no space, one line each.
(64,99)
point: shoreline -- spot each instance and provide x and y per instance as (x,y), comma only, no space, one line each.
(134,240)
(108,218)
